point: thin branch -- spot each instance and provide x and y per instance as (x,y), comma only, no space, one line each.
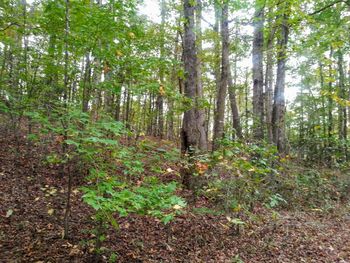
(206,21)
(8,26)
(327,6)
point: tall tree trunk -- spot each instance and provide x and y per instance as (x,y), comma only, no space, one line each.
(64,146)
(232,84)
(217,62)
(278,112)
(258,76)
(246,109)
(199,47)
(269,78)
(342,112)
(160,98)
(330,100)
(324,115)
(342,124)
(86,84)
(128,108)
(174,83)
(193,128)
(222,92)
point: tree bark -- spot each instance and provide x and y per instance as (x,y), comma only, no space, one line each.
(258,76)
(222,92)
(64,146)
(330,101)
(269,76)
(160,98)
(232,84)
(86,84)
(342,109)
(193,128)
(278,112)
(342,124)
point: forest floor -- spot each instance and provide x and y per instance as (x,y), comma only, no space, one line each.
(32,201)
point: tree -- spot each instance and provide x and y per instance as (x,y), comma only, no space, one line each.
(225,67)
(160,100)
(278,113)
(193,136)
(258,75)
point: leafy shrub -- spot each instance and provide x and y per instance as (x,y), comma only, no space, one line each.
(241,174)
(112,167)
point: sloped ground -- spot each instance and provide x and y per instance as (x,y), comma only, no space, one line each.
(33,232)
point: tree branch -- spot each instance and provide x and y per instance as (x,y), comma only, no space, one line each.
(211,25)
(8,26)
(328,6)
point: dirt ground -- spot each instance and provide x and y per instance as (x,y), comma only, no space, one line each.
(32,201)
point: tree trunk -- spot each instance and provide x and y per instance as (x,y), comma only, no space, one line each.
(258,76)
(278,113)
(342,125)
(217,63)
(222,92)
(269,79)
(343,120)
(160,98)
(174,83)
(232,84)
(193,128)
(86,84)
(330,101)
(64,146)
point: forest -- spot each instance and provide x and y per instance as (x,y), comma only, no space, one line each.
(175,131)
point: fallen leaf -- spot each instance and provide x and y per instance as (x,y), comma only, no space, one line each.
(53,191)
(177,207)
(50,211)
(9,213)
(74,251)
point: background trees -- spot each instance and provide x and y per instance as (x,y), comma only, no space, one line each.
(106,97)
(208,70)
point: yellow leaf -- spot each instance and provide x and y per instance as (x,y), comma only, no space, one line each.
(177,207)
(161,90)
(53,191)
(131,35)
(118,53)
(50,211)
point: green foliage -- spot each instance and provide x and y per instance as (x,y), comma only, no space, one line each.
(276,200)
(241,174)
(96,145)
(113,168)
(110,196)
(307,187)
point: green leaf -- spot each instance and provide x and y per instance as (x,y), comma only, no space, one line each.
(167,218)
(71,142)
